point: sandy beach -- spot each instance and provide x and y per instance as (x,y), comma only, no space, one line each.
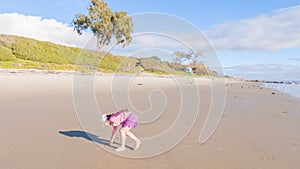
(43,125)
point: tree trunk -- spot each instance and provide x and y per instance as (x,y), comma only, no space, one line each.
(99,44)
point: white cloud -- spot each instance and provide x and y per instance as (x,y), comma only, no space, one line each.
(146,41)
(278,30)
(61,33)
(41,29)
(167,42)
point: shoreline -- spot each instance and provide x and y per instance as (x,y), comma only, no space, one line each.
(227,81)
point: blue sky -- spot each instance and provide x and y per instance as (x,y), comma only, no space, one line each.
(244,33)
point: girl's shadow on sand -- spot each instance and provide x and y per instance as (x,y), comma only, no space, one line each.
(85,135)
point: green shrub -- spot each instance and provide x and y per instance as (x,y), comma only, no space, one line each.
(6,54)
(29,49)
(21,52)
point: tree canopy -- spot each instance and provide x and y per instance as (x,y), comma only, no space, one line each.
(191,58)
(105,24)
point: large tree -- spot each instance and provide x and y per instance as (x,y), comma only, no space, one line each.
(105,24)
(186,58)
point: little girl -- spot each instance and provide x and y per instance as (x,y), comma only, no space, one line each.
(127,120)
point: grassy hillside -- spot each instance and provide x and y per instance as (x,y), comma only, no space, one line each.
(21,52)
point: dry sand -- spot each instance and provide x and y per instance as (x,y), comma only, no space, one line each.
(40,128)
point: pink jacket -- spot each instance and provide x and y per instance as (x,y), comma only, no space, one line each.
(119,117)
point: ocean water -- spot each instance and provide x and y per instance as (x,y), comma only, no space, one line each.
(291,89)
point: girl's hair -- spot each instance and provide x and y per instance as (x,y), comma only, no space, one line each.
(108,116)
